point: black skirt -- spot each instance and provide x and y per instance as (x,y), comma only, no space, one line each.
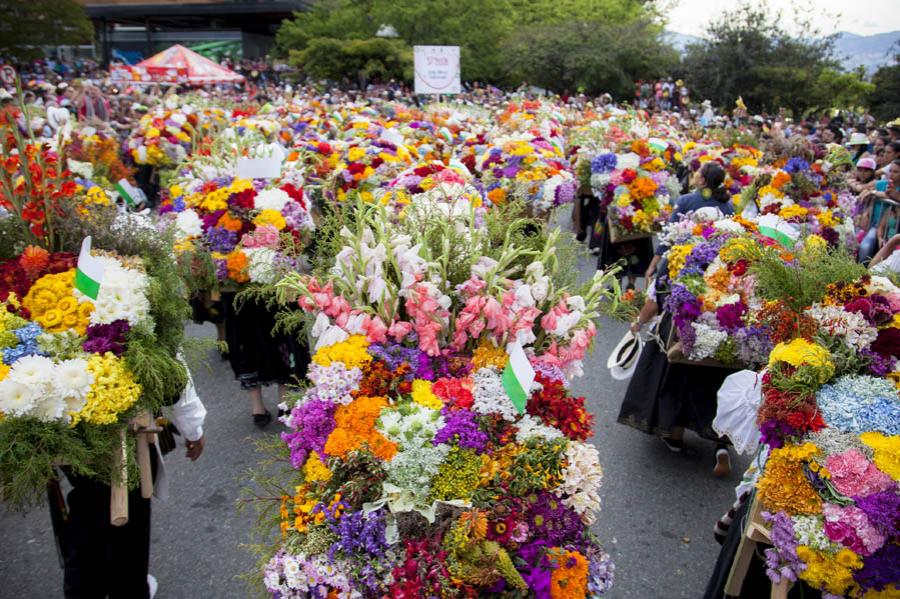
(662,396)
(257,355)
(635,255)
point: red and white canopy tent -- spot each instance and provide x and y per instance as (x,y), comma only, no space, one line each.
(177,65)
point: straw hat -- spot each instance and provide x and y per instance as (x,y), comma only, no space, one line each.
(624,357)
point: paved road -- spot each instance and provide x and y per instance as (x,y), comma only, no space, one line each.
(657,518)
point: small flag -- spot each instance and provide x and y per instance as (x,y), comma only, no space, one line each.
(126,191)
(780,230)
(517,376)
(88,272)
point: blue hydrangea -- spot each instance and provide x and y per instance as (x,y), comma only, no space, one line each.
(604,163)
(856,404)
(13,354)
(29,332)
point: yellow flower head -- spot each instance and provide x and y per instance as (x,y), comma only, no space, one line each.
(801,352)
(351,352)
(270,217)
(422,395)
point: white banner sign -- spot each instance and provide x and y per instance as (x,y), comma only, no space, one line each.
(436,69)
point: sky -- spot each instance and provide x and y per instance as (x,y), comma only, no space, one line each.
(864,17)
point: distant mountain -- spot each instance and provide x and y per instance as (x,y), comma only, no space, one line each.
(869,51)
(680,41)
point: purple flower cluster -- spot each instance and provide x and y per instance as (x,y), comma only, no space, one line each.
(753,344)
(295,216)
(312,422)
(880,569)
(603,163)
(395,355)
(102,338)
(557,524)
(360,535)
(221,240)
(883,511)
(796,164)
(878,365)
(782,562)
(564,193)
(703,254)
(730,315)
(461,427)
(774,432)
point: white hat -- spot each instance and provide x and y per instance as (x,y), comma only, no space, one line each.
(858,139)
(57,117)
(624,357)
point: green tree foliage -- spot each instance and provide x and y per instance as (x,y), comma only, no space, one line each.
(359,59)
(884,99)
(587,56)
(558,44)
(26,25)
(749,53)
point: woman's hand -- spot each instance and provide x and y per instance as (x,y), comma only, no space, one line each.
(635,327)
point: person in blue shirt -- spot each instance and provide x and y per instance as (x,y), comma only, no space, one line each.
(710,193)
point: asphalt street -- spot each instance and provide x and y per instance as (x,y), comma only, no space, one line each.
(658,509)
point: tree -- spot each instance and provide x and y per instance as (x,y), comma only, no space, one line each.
(588,56)
(884,99)
(26,25)
(360,59)
(595,44)
(750,54)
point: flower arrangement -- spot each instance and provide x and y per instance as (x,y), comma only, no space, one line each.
(636,190)
(77,368)
(231,231)
(829,417)
(413,472)
(527,168)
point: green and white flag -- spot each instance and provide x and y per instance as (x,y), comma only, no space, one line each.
(88,271)
(126,191)
(778,229)
(517,376)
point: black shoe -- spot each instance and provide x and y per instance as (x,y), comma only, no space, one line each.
(262,420)
(581,236)
(674,445)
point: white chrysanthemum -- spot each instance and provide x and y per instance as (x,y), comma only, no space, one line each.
(34,371)
(73,379)
(49,407)
(122,295)
(16,399)
(271,199)
(188,224)
(410,425)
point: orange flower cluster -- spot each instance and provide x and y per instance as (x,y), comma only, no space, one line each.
(780,179)
(355,429)
(237,267)
(785,487)
(378,380)
(569,579)
(642,188)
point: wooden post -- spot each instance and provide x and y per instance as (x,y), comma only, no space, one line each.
(142,423)
(755,532)
(118,497)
